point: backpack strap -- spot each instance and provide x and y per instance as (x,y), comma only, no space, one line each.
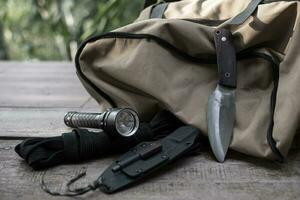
(245,14)
(158,10)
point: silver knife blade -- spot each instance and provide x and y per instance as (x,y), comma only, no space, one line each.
(221,119)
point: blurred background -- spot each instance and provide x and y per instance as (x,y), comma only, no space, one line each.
(53,29)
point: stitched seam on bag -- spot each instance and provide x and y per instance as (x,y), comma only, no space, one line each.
(166,44)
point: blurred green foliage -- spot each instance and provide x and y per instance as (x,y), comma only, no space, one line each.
(53,29)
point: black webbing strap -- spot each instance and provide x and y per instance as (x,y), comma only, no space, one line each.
(158,10)
(82,144)
(75,146)
(249,10)
(39,152)
(243,16)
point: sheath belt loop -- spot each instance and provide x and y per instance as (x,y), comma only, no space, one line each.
(158,10)
(245,14)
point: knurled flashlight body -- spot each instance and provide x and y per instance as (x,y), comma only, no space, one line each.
(115,121)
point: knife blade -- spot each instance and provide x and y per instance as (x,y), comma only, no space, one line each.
(221,103)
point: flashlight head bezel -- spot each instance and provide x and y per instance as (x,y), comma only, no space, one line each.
(110,119)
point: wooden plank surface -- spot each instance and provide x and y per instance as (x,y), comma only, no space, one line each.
(195,177)
(34,98)
(41,85)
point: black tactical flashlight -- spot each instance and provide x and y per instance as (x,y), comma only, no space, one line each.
(117,122)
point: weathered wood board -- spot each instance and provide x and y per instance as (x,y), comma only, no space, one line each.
(195,177)
(35,96)
(40,85)
(33,100)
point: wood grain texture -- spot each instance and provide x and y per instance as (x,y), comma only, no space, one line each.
(194,177)
(47,84)
(35,96)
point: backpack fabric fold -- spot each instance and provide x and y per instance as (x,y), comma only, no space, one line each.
(166,59)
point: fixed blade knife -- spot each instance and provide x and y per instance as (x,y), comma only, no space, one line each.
(221,103)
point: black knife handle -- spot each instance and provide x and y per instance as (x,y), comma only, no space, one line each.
(226,58)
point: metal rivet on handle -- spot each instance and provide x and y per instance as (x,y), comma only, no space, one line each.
(223,39)
(227,74)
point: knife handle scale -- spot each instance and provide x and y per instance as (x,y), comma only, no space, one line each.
(226,58)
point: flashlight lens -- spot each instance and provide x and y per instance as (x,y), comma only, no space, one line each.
(125,123)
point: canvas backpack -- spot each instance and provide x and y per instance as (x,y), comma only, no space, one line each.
(166,59)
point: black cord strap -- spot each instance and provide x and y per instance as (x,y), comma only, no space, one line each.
(70,192)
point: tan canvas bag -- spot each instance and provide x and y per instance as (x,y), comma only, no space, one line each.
(166,59)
